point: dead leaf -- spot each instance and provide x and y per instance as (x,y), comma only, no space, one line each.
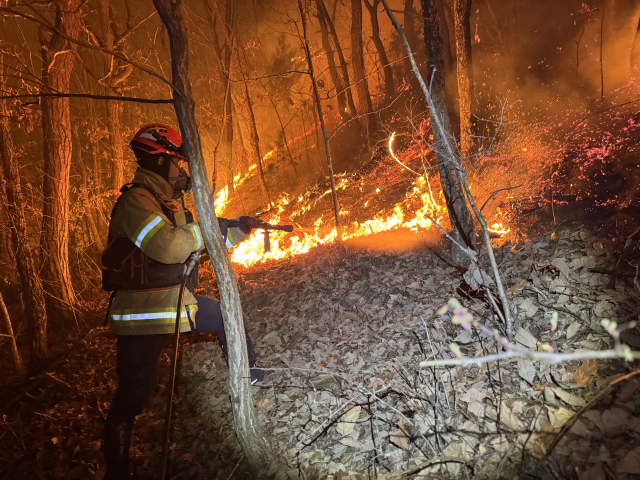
(630,463)
(398,436)
(562,266)
(559,416)
(476,278)
(585,372)
(570,398)
(573,329)
(526,370)
(348,421)
(525,338)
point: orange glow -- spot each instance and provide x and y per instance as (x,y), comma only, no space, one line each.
(409,214)
(499,229)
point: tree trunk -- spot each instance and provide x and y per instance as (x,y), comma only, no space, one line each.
(357,57)
(336,207)
(255,143)
(15,354)
(114,108)
(389,87)
(6,250)
(409,31)
(35,313)
(224,167)
(343,62)
(95,244)
(248,431)
(459,214)
(58,55)
(462,17)
(333,70)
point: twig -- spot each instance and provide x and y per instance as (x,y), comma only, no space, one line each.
(569,423)
(431,463)
(493,194)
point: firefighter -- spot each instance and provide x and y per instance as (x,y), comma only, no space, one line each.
(151,235)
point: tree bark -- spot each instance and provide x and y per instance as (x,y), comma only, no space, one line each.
(333,70)
(15,354)
(389,87)
(314,85)
(6,249)
(59,56)
(409,30)
(459,214)
(224,168)
(462,18)
(114,108)
(255,143)
(357,57)
(248,431)
(35,313)
(343,63)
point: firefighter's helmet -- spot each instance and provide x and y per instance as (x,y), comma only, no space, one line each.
(157,138)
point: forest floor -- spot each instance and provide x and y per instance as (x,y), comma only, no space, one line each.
(332,326)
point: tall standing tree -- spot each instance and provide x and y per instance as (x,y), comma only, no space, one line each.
(224,166)
(409,30)
(114,108)
(247,427)
(33,296)
(357,59)
(459,214)
(462,18)
(343,63)
(333,69)
(58,56)
(389,86)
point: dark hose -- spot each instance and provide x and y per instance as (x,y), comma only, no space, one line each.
(191,263)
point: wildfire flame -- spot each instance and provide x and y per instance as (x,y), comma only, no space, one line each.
(499,229)
(410,214)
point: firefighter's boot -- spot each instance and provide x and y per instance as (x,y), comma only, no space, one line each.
(117,440)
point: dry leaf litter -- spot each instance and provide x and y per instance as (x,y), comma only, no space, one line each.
(341,336)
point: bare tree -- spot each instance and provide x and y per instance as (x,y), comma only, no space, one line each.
(462,18)
(6,323)
(409,30)
(316,95)
(459,214)
(357,58)
(389,87)
(248,431)
(255,143)
(35,313)
(59,55)
(333,70)
(113,108)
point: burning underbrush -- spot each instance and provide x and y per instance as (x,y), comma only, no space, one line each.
(397,191)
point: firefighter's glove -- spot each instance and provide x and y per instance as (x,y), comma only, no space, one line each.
(251,222)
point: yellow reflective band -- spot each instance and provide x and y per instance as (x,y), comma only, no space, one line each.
(148,229)
(197,237)
(151,316)
(230,242)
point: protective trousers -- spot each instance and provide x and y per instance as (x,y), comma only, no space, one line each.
(137,369)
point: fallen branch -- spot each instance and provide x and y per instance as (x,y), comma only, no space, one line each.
(569,423)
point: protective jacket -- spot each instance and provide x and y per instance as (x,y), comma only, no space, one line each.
(142,217)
